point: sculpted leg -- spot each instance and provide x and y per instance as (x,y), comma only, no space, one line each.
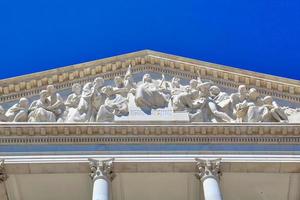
(219,114)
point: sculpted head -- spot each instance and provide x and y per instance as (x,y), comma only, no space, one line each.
(204,88)
(193,84)
(175,82)
(98,82)
(76,88)
(43,95)
(242,90)
(119,81)
(253,94)
(214,90)
(268,100)
(147,78)
(108,90)
(51,90)
(24,103)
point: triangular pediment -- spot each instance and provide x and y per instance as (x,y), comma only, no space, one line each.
(228,79)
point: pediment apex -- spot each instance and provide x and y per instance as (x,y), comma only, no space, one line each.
(14,88)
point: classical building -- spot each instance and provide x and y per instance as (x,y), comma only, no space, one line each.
(149,126)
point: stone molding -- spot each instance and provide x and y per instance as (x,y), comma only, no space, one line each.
(208,169)
(148,129)
(101,169)
(62,78)
(148,140)
(137,163)
(111,133)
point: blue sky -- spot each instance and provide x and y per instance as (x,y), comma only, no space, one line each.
(258,35)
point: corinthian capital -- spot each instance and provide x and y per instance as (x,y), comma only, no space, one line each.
(101,169)
(208,168)
(3,175)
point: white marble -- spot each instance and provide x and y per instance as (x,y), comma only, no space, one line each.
(150,99)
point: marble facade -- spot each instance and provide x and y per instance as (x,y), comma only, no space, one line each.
(129,118)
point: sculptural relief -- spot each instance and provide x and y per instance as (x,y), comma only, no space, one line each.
(74,98)
(184,98)
(150,94)
(201,101)
(56,102)
(41,109)
(114,105)
(19,111)
(273,112)
(90,101)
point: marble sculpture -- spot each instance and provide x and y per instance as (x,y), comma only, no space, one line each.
(97,102)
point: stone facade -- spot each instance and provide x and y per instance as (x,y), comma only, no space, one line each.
(128,119)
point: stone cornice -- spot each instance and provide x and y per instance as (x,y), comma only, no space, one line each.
(112,133)
(237,163)
(30,85)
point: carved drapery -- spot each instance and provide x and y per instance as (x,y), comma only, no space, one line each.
(128,99)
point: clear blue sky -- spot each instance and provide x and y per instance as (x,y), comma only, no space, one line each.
(258,35)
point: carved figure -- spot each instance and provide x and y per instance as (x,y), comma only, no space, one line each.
(114,105)
(183,98)
(91,100)
(56,101)
(18,112)
(273,113)
(218,100)
(237,98)
(74,98)
(149,94)
(202,101)
(40,111)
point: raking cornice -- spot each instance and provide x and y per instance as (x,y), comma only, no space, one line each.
(29,85)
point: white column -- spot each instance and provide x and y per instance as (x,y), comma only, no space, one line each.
(102,176)
(209,172)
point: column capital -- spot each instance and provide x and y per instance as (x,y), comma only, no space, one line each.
(3,174)
(101,169)
(208,169)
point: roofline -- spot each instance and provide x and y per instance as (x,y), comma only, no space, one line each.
(62,77)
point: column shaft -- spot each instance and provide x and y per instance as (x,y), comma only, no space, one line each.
(101,189)
(211,189)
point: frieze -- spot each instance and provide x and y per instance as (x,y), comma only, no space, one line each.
(149,99)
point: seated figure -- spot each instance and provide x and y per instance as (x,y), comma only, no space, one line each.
(72,102)
(19,111)
(90,101)
(41,110)
(251,109)
(74,98)
(150,95)
(217,102)
(183,98)
(273,113)
(114,105)
(56,102)
(237,98)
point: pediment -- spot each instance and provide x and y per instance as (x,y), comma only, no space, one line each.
(284,91)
